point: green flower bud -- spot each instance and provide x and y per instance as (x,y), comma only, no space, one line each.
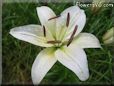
(98,4)
(108,37)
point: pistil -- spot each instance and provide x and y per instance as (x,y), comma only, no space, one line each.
(72,36)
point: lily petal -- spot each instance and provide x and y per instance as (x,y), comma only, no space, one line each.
(75,59)
(30,33)
(86,40)
(77,17)
(42,64)
(44,14)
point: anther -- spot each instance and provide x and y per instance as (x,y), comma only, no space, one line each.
(68,19)
(54,42)
(54,17)
(44,31)
(72,36)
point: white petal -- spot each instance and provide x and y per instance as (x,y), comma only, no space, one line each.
(77,17)
(44,14)
(42,64)
(30,33)
(86,40)
(74,59)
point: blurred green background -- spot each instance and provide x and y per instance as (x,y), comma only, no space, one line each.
(18,56)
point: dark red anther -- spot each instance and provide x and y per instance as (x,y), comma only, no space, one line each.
(54,17)
(44,31)
(72,36)
(68,19)
(54,42)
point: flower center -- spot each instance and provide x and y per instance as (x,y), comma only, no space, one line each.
(58,41)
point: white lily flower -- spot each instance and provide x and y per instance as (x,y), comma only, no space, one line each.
(61,35)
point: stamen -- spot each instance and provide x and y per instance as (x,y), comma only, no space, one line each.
(54,17)
(44,31)
(72,36)
(68,19)
(54,42)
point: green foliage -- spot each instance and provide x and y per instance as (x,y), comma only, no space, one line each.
(18,56)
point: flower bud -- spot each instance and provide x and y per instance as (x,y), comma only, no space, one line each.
(108,37)
(97,4)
